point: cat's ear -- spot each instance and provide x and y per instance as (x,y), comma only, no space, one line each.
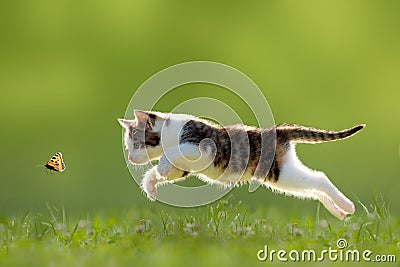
(125,123)
(141,115)
(146,118)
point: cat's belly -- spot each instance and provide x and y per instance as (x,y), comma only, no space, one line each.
(224,176)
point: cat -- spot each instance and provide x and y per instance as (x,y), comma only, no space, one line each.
(230,155)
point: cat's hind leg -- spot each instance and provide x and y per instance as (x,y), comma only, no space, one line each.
(327,193)
(298,180)
(330,205)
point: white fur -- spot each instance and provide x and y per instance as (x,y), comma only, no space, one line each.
(149,182)
(298,180)
(295,179)
(186,157)
(171,129)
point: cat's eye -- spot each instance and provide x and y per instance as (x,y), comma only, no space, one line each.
(136,146)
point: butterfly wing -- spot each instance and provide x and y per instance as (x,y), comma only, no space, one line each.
(56,163)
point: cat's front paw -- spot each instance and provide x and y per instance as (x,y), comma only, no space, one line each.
(152,194)
(149,184)
(149,187)
(164,168)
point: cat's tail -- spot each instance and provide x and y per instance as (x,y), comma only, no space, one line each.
(300,134)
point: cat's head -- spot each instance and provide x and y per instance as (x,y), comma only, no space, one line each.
(142,136)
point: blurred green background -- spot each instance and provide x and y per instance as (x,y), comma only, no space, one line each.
(69,68)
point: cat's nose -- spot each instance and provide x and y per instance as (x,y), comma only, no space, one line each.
(131,159)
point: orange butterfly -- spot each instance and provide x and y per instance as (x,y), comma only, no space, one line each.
(56,163)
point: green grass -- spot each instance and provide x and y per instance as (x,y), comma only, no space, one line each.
(225,233)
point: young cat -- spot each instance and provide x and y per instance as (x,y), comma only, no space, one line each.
(185,144)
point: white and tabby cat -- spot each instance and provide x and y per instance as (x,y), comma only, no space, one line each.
(185,144)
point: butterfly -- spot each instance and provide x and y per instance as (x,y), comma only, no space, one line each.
(56,163)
